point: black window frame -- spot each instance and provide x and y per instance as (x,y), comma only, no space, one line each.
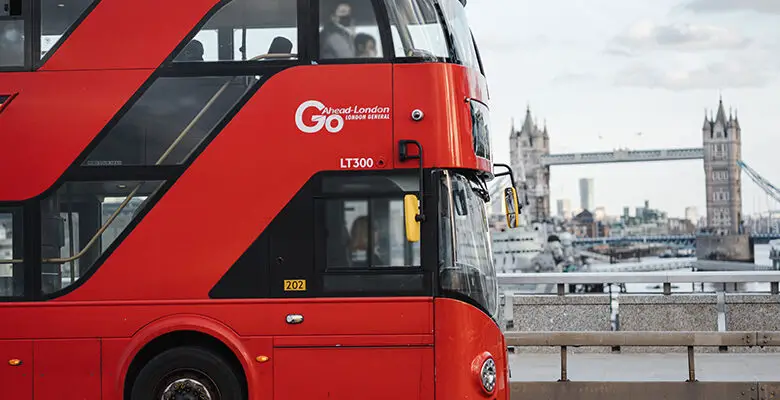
(28,17)
(450,59)
(385,37)
(19,247)
(31,208)
(174,68)
(479,56)
(33,29)
(425,272)
(320,204)
(167,174)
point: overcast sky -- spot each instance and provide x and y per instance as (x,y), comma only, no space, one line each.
(602,71)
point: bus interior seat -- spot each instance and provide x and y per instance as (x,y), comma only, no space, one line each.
(280,45)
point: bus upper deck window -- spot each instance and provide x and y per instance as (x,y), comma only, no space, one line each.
(417,29)
(348,30)
(10,8)
(11,42)
(57,17)
(247,31)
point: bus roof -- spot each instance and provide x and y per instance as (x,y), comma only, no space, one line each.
(265,14)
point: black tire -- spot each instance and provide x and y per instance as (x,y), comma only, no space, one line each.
(198,364)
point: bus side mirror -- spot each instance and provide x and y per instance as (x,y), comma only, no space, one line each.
(512,207)
(411,210)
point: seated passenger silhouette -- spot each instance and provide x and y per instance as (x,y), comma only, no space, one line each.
(365,45)
(193,51)
(359,244)
(338,32)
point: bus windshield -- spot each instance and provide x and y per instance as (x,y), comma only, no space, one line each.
(466,263)
(418,30)
(455,15)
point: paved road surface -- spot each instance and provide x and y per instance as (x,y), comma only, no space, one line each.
(646,367)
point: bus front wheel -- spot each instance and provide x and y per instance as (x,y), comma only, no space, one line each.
(187,372)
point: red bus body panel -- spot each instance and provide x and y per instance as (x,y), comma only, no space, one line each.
(67,369)
(16,381)
(157,281)
(52,119)
(121,34)
(464,337)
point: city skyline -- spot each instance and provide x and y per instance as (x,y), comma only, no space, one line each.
(606,74)
(689,212)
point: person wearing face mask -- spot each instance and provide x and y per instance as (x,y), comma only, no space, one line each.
(365,45)
(337,38)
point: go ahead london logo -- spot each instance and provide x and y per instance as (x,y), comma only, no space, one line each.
(313,116)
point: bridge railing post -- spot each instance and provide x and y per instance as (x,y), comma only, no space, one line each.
(691,365)
(564,364)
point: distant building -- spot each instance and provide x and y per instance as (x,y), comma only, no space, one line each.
(680,226)
(722,149)
(564,208)
(526,148)
(585,225)
(692,214)
(600,213)
(587,194)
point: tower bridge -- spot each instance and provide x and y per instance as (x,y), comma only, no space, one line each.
(721,153)
(622,155)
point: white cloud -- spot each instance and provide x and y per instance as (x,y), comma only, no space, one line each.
(730,73)
(647,35)
(570,78)
(761,6)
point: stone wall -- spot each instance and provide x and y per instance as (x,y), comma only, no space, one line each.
(725,248)
(683,312)
(561,313)
(679,312)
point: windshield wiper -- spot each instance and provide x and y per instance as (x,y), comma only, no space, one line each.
(482,193)
(479,186)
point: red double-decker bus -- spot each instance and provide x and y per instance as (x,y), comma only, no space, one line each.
(245,199)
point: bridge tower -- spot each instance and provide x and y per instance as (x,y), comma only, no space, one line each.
(722,138)
(526,148)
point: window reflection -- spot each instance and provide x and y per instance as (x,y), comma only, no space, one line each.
(57,16)
(463,41)
(170,121)
(417,29)
(465,252)
(11,43)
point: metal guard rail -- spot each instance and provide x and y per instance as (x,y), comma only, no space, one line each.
(667,278)
(639,339)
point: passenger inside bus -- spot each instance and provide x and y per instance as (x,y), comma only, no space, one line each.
(338,33)
(193,51)
(365,45)
(359,244)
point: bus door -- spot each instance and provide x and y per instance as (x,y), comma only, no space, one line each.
(367,313)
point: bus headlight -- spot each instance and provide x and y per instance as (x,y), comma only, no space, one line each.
(488,375)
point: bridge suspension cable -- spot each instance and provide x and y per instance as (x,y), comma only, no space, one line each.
(764,184)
